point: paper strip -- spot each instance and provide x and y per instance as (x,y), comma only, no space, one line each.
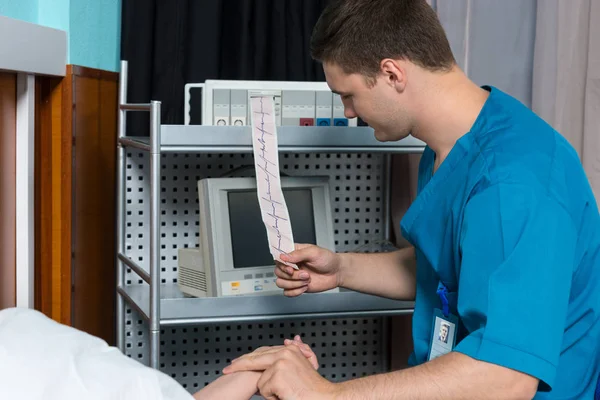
(266,162)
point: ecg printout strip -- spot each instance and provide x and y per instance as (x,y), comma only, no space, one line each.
(266,162)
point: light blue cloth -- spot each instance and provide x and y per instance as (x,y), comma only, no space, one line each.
(510,225)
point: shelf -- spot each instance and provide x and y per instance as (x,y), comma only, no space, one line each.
(237,139)
(176,309)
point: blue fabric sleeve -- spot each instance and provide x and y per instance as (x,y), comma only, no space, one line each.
(517,253)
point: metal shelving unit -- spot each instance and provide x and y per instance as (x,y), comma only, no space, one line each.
(162,304)
(175,309)
(291,139)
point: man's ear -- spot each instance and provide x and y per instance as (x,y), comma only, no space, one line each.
(394,73)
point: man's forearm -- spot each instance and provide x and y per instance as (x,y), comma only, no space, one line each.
(391,275)
(451,376)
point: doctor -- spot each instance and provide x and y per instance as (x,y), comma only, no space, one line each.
(505,230)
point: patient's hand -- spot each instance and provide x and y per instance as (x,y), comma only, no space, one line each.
(239,386)
(243,385)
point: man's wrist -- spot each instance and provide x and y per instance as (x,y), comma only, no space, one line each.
(334,392)
(343,261)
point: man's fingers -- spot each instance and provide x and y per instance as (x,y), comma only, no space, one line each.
(313,362)
(305,349)
(297,339)
(309,355)
(267,385)
(263,384)
(283,269)
(287,284)
(301,254)
(295,292)
(292,287)
(280,273)
(301,275)
(299,246)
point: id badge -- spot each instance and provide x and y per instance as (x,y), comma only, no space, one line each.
(443,336)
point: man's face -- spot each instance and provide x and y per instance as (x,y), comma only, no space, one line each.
(380,105)
(444,332)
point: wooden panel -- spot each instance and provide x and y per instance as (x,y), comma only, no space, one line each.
(94,185)
(98,74)
(42,218)
(8,127)
(76,200)
(53,197)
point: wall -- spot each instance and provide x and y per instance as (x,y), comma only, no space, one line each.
(26,10)
(93,27)
(95,34)
(54,13)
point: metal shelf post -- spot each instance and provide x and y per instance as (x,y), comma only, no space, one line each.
(154,233)
(121,207)
(153,277)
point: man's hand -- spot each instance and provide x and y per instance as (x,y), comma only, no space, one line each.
(288,374)
(319,270)
(305,349)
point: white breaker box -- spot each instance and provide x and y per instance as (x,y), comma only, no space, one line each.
(225,102)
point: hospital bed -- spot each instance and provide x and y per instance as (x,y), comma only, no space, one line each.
(42,359)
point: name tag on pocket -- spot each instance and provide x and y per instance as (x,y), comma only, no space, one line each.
(443,335)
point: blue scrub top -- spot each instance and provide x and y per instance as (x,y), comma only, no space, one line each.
(509,224)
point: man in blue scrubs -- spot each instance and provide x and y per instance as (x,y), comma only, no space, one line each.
(504,265)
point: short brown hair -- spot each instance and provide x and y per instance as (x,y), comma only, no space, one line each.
(358,34)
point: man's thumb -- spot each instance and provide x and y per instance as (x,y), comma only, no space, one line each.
(299,255)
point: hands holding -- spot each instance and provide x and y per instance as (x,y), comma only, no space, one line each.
(290,372)
(319,270)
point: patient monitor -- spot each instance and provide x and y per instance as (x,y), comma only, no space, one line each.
(233,257)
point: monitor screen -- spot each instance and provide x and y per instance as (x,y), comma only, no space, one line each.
(248,233)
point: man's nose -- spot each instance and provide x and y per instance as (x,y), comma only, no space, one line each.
(349,113)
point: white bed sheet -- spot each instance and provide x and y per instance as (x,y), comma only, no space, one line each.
(42,359)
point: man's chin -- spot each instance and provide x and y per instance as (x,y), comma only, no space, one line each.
(382,136)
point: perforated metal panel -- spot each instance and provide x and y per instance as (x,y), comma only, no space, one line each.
(195,356)
(346,348)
